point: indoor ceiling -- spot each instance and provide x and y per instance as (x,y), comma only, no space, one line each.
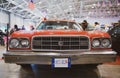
(62,9)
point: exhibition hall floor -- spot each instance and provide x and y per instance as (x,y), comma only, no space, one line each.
(107,70)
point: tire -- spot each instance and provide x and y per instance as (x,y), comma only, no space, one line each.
(25,65)
(26,68)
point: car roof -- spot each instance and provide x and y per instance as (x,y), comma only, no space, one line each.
(60,20)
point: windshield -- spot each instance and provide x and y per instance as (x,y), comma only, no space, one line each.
(53,25)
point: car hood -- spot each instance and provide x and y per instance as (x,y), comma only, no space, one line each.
(22,33)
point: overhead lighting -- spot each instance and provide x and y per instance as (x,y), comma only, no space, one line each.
(89,13)
(70,6)
(94,4)
(40,2)
(108,12)
(118,4)
(93,7)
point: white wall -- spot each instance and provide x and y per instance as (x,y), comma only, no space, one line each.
(20,22)
(4,17)
(14,19)
(3,20)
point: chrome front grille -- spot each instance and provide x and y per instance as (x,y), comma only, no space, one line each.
(61,43)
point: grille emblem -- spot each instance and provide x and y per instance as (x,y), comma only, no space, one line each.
(60,43)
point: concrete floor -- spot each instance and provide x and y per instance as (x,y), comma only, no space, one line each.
(108,70)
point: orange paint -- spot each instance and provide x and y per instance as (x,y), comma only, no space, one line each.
(59,32)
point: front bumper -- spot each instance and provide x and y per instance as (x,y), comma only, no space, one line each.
(93,57)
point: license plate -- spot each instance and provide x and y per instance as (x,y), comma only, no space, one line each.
(61,62)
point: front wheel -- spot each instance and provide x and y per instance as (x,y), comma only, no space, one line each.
(26,67)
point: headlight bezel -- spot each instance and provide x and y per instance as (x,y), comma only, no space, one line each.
(20,45)
(11,45)
(94,42)
(23,45)
(101,42)
(108,44)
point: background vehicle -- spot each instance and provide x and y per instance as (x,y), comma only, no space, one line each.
(115,36)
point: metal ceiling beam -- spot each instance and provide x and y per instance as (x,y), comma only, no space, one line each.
(7,5)
(16,6)
(4,3)
(59,8)
(24,8)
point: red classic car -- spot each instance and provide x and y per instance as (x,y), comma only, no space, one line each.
(60,43)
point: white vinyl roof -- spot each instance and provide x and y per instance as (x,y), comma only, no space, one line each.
(62,9)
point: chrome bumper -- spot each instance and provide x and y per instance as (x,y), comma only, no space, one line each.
(94,57)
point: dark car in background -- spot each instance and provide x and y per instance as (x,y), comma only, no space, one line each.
(115,36)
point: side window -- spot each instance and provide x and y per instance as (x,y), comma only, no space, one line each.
(75,26)
(41,26)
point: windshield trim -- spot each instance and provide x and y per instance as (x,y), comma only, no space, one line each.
(79,27)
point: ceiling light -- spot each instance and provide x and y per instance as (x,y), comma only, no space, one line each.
(93,7)
(70,6)
(94,4)
(108,12)
(40,2)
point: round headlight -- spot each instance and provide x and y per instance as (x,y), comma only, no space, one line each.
(25,43)
(106,43)
(14,43)
(96,43)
